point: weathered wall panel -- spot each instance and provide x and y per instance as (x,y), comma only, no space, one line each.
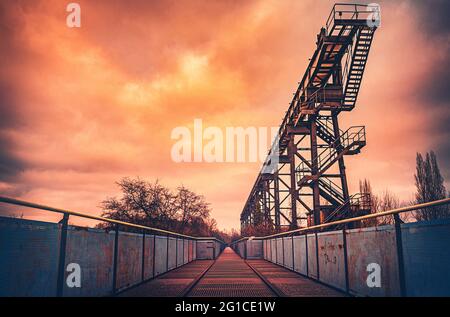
(172,258)
(129,260)
(190,251)
(280,251)
(241,249)
(186,251)
(426,256)
(331,259)
(254,249)
(194,251)
(288,256)
(160,255)
(148,256)
(373,245)
(265,249)
(205,250)
(300,255)
(312,256)
(29,253)
(273,244)
(93,251)
(179,252)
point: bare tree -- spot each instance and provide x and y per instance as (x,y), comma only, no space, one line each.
(190,207)
(366,190)
(387,201)
(154,205)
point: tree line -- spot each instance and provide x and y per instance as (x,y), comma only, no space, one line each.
(184,211)
(430,186)
(154,205)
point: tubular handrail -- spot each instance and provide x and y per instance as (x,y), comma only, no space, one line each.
(23,203)
(435,203)
(348,8)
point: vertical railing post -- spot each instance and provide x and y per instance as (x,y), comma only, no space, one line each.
(282,248)
(400,259)
(116,255)
(344,242)
(62,255)
(143,254)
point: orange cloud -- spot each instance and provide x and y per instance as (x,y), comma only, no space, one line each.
(84,107)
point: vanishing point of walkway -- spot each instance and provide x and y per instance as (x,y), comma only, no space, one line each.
(231,276)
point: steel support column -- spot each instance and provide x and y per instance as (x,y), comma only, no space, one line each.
(292,150)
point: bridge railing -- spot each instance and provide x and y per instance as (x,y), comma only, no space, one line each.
(349,11)
(129,258)
(399,259)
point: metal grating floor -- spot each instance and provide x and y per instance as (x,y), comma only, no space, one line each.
(230,276)
(172,284)
(290,283)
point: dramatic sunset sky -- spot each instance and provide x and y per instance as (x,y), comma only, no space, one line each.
(81,108)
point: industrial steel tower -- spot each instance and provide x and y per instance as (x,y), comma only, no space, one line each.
(307,183)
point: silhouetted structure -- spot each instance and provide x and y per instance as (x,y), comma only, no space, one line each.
(309,181)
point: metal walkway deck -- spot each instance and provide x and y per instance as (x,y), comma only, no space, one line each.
(231,276)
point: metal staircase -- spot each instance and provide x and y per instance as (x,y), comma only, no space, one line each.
(354,73)
(331,191)
(350,142)
(325,132)
(357,205)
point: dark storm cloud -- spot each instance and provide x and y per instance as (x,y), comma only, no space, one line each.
(434,21)
(10,164)
(435,94)
(434,16)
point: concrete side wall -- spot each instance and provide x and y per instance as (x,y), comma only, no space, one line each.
(29,258)
(254,249)
(190,253)
(186,252)
(288,253)
(426,255)
(240,249)
(195,250)
(148,256)
(273,245)
(300,255)
(129,261)
(93,250)
(206,250)
(29,253)
(372,245)
(312,256)
(280,251)
(331,259)
(172,258)
(179,248)
(160,255)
